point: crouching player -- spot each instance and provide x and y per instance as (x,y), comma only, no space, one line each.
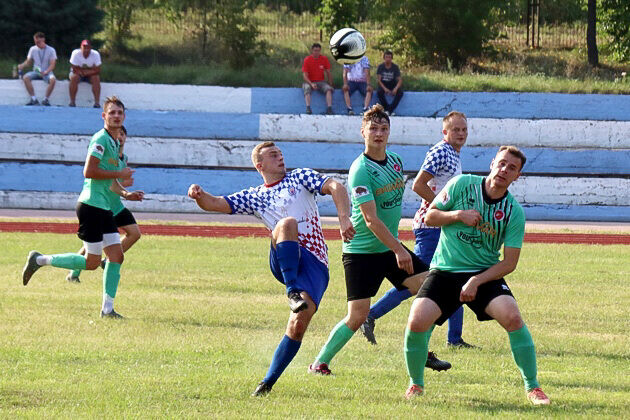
(298,255)
(477,215)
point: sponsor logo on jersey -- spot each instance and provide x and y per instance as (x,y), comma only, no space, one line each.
(504,286)
(360,191)
(112,161)
(398,185)
(292,191)
(486,228)
(499,215)
(470,238)
(396,167)
(98,149)
(444,197)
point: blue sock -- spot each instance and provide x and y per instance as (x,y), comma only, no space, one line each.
(455,323)
(389,301)
(289,260)
(285,352)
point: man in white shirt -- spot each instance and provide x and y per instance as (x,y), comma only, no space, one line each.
(86,67)
(357,77)
(44,59)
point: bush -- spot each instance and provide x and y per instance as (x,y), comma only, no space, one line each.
(65,23)
(337,14)
(615,18)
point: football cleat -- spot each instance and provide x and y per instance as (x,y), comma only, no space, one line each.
(296,303)
(112,315)
(30,267)
(103,262)
(538,397)
(414,391)
(436,364)
(72,279)
(320,369)
(367,328)
(461,344)
(262,389)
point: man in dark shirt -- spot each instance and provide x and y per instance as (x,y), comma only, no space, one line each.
(389,83)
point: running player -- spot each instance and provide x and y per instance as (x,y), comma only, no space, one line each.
(441,163)
(377,184)
(122,215)
(298,255)
(478,215)
(97,228)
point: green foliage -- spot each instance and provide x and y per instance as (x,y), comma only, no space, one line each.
(118,19)
(337,14)
(225,30)
(444,33)
(615,18)
(65,23)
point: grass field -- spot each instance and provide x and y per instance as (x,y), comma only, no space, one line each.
(205,315)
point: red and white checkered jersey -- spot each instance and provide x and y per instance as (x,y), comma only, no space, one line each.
(293,196)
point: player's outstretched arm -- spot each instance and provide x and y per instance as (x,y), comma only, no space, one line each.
(208,202)
(342,202)
(376,225)
(437,217)
(117,188)
(497,271)
(91,170)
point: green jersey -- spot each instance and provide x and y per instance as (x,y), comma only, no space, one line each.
(465,248)
(96,191)
(115,204)
(383,183)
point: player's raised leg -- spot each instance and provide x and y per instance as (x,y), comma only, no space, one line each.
(287,248)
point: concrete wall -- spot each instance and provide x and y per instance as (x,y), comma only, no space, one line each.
(578,146)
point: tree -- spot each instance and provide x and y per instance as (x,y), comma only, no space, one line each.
(616,22)
(65,23)
(337,14)
(118,19)
(591,33)
(445,32)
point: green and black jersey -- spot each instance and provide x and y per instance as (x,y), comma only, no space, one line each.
(96,192)
(384,183)
(465,248)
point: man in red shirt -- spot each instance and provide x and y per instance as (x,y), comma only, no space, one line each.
(315,70)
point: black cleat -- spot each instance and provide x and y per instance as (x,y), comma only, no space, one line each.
(103,262)
(112,315)
(462,345)
(436,364)
(368,330)
(72,279)
(30,267)
(262,389)
(296,303)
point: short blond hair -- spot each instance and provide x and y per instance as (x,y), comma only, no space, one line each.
(446,121)
(376,114)
(256,157)
(113,100)
(514,151)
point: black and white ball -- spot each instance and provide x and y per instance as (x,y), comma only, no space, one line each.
(347,46)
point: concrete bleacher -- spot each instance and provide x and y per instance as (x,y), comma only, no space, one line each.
(578,146)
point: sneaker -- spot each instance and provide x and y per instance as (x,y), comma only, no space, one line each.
(72,279)
(309,111)
(414,391)
(436,364)
(296,303)
(388,113)
(96,106)
(103,262)
(45,102)
(262,389)
(30,267)
(112,315)
(350,111)
(32,102)
(461,344)
(329,111)
(364,111)
(368,330)
(72,104)
(538,397)
(320,369)
(391,114)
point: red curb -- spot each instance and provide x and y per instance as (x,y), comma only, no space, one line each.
(261,232)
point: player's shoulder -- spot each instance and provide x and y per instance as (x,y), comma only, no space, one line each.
(394,157)
(466,179)
(516,206)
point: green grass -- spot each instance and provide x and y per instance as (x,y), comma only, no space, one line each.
(205,315)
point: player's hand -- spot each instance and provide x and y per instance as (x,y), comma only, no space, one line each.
(469,217)
(195,191)
(346,229)
(404,260)
(134,196)
(313,86)
(126,173)
(469,291)
(127,182)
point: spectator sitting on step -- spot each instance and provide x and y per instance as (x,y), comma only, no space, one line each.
(389,83)
(43,58)
(315,71)
(86,67)
(357,77)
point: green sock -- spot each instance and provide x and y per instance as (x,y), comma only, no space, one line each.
(338,338)
(75,273)
(416,352)
(70,261)
(111,276)
(524,354)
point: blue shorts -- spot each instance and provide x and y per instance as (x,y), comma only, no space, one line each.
(35,75)
(354,86)
(81,78)
(426,243)
(312,273)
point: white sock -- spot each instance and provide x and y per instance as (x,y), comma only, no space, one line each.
(44,260)
(108,303)
(34,98)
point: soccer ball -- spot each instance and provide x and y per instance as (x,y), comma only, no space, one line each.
(347,46)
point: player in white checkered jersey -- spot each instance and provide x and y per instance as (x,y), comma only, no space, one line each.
(298,255)
(441,163)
